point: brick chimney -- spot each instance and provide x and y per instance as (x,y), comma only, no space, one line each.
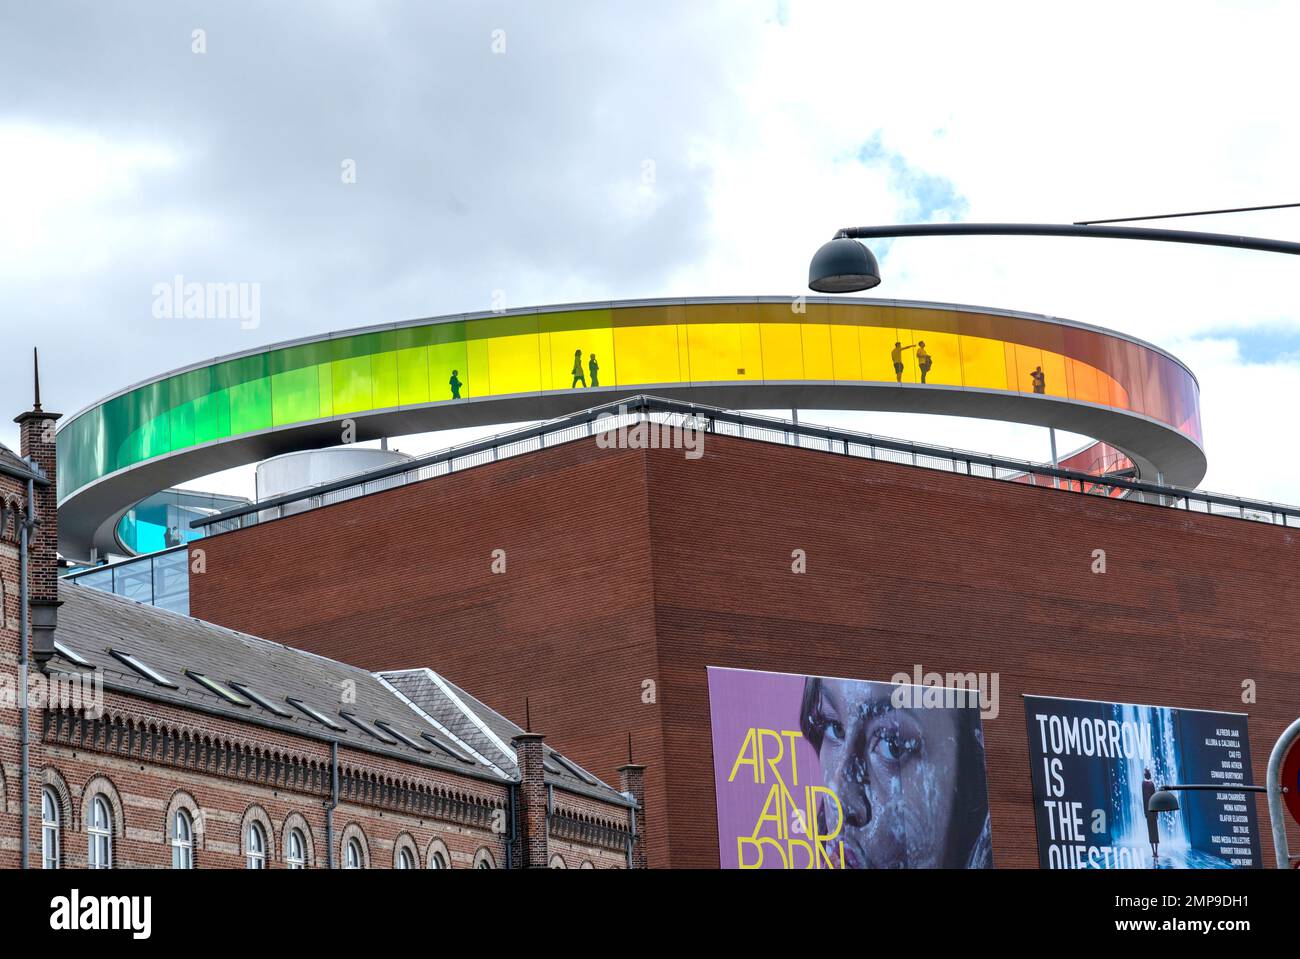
(534,853)
(36,428)
(631,780)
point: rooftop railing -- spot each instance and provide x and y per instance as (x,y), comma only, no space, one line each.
(708,420)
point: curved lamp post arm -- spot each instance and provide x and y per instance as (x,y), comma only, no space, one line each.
(1070,229)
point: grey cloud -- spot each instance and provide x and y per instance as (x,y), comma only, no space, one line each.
(476,171)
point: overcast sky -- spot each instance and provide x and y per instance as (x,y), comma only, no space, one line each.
(126,158)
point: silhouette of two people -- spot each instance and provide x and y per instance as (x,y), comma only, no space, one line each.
(592,366)
(924,361)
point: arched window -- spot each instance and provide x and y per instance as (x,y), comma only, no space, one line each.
(255,853)
(50,828)
(182,840)
(404,859)
(437,860)
(99,833)
(483,860)
(352,856)
(297,855)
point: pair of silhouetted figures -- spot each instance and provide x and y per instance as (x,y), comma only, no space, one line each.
(592,365)
(924,361)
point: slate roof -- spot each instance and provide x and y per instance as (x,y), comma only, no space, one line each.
(14,464)
(487,731)
(94,625)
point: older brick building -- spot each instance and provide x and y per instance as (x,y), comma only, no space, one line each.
(159,740)
(629,571)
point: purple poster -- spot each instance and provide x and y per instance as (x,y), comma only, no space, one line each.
(813,772)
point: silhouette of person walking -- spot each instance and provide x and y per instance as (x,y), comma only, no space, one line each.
(1040,381)
(577,370)
(1153,818)
(594,367)
(923,359)
(896,354)
(455,384)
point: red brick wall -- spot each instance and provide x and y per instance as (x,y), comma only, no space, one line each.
(627,566)
(406,581)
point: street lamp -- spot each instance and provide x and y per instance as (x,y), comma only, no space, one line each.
(1164,800)
(845,266)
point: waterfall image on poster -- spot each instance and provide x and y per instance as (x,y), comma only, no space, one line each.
(1095,767)
(815,772)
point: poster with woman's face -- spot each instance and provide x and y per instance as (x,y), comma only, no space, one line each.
(814,772)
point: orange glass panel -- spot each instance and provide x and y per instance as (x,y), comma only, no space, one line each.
(1055,383)
(984,363)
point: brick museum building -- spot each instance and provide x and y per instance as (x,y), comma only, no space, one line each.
(630,571)
(156,740)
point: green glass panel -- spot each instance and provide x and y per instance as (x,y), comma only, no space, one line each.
(249,385)
(212,417)
(325,388)
(295,396)
(181,425)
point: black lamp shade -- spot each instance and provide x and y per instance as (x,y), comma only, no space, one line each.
(1163,800)
(843,266)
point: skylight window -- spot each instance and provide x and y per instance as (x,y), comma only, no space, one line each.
(212,686)
(451,751)
(394,731)
(72,657)
(315,714)
(261,700)
(368,730)
(143,669)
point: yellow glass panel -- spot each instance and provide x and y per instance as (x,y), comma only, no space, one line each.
(546,364)
(717,346)
(782,351)
(684,352)
(477,375)
(646,350)
(983,363)
(817,361)
(751,348)
(845,356)
(513,357)
(944,350)
(571,339)
(875,346)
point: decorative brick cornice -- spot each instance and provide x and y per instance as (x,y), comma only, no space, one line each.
(168,744)
(588,829)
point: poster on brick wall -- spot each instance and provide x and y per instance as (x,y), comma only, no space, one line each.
(1095,767)
(815,772)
